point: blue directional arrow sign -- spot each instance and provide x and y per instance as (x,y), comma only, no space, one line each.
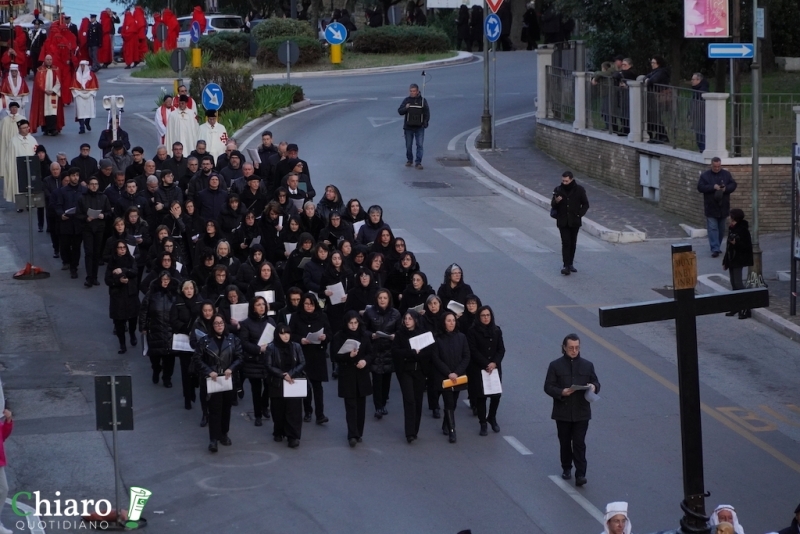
(730,50)
(194,32)
(492,28)
(212,96)
(335,33)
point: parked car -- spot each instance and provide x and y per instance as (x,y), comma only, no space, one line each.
(214,24)
(118,48)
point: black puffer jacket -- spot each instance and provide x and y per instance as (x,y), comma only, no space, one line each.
(250,331)
(386,321)
(248,270)
(154,317)
(283,358)
(312,275)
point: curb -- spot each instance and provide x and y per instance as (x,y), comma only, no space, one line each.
(591,227)
(762,315)
(460,59)
(255,124)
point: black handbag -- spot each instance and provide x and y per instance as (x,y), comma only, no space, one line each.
(554,213)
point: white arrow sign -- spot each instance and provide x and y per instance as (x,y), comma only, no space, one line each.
(715,30)
(336,34)
(493,32)
(212,97)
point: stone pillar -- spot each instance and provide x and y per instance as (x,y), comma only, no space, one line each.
(580,101)
(796,110)
(715,124)
(544,59)
(635,110)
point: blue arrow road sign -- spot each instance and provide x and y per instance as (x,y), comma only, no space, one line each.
(335,33)
(212,96)
(492,28)
(194,32)
(730,50)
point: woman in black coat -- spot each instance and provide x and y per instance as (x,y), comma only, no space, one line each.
(353,365)
(376,263)
(181,318)
(242,237)
(216,358)
(123,291)
(267,280)
(410,365)
(462,29)
(310,221)
(453,287)
(137,228)
(217,285)
(175,223)
(207,242)
(225,257)
(384,242)
(432,320)
(118,233)
(336,231)
(354,212)
(467,319)
(362,294)
(249,268)
(290,233)
(331,202)
(416,293)
(381,322)
(284,361)
(292,272)
(450,359)
(336,273)
(315,268)
(399,277)
(164,262)
(738,254)
(306,320)
(155,326)
(254,347)
(486,351)
(658,96)
(231,215)
(200,329)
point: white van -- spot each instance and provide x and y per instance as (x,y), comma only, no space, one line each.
(214,23)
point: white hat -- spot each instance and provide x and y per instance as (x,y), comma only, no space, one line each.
(617,508)
(14,66)
(84,62)
(714,520)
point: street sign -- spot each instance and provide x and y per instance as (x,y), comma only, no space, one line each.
(161,32)
(705,18)
(194,32)
(335,33)
(730,51)
(177,60)
(492,28)
(212,96)
(288,55)
(760,23)
(494,5)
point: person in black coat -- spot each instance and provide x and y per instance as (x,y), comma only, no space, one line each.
(217,285)
(200,329)
(250,267)
(354,212)
(506,19)
(476,27)
(353,368)
(315,268)
(123,291)
(308,319)
(530,27)
(569,204)
(794,528)
(738,254)
(285,362)
(165,262)
(716,184)
(292,272)
(571,409)
(310,221)
(486,351)
(450,359)
(224,256)
(242,238)
(363,292)
(656,82)
(231,215)
(93,228)
(65,202)
(336,231)
(267,280)
(154,323)
(254,347)
(207,241)
(331,202)
(399,277)
(462,29)
(182,316)
(381,321)
(137,228)
(453,287)
(217,354)
(467,319)
(433,314)
(410,365)
(373,224)
(416,293)
(336,272)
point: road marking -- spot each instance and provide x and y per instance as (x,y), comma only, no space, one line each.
(464,240)
(33,520)
(631,228)
(148,119)
(257,133)
(9,262)
(452,144)
(708,410)
(377,122)
(413,244)
(582,501)
(514,442)
(519,239)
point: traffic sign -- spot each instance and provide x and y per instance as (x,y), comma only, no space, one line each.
(212,96)
(494,5)
(288,53)
(161,32)
(335,33)
(730,50)
(492,27)
(177,60)
(194,32)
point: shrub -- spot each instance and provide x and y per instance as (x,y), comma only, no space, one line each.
(226,46)
(270,98)
(310,50)
(277,27)
(236,83)
(400,40)
(157,60)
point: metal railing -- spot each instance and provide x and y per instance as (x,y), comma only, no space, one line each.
(607,105)
(778,123)
(674,116)
(560,94)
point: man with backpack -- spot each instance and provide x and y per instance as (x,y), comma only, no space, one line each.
(416,116)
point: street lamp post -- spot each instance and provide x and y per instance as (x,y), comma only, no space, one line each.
(485,139)
(756,120)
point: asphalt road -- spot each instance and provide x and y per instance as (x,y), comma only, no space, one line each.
(56,334)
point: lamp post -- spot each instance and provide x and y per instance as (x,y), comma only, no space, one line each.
(485,139)
(756,120)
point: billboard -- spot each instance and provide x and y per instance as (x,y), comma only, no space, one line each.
(705,19)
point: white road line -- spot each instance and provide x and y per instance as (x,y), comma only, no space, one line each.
(519,239)
(148,119)
(451,146)
(33,520)
(415,245)
(582,501)
(464,240)
(257,133)
(514,442)
(631,228)
(454,141)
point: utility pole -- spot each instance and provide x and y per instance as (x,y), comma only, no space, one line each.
(485,139)
(756,119)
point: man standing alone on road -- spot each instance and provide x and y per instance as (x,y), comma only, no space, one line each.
(567,381)
(417,114)
(568,207)
(716,184)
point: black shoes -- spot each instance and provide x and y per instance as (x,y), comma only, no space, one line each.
(133,340)
(565,271)
(167,383)
(155,375)
(384,411)
(715,254)
(379,414)
(277,438)
(567,474)
(494,425)
(572,269)
(212,447)
(122,349)
(225,441)
(204,420)
(95,282)
(322,420)
(259,422)
(294,443)
(73,274)
(452,438)
(418,166)
(187,404)
(266,413)
(436,413)
(411,439)
(87,283)
(235,401)
(745,314)
(732,313)
(307,418)
(352,442)
(484,431)
(580,481)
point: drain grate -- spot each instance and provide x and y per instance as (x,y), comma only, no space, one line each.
(430,185)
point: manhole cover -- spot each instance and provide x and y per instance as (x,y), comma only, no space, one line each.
(114,367)
(430,185)
(455,162)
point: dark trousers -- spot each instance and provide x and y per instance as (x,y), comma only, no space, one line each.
(287,417)
(187,382)
(433,392)
(315,388)
(494,403)
(355,410)
(52,228)
(381,382)
(412,386)
(93,251)
(572,437)
(569,240)
(260,391)
(219,412)
(40,217)
(450,399)
(119,328)
(165,365)
(51,124)
(71,250)
(735,274)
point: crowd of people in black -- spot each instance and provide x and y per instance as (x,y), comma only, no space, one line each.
(237,273)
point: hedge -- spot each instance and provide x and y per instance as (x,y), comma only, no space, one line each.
(310,50)
(400,40)
(226,46)
(236,84)
(278,27)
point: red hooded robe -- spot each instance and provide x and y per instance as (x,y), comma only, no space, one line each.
(83,35)
(199,17)
(106,53)
(130,39)
(141,28)
(37,99)
(21,48)
(156,41)
(173,29)
(65,52)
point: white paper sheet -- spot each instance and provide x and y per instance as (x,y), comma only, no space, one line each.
(220,384)
(349,345)
(199,334)
(280,223)
(357,226)
(145,348)
(268,295)
(338,293)
(297,390)
(491,382)
(419,309)
(289,247)
(255,241)
(180,343)
(303,262)
(288,318)
(70,211)
(267,335)
(254,157)
(457,307)
(94,214)
(298,203)
(131,249)
(2,402)
(239,311)
(591,396)
(421,341)
(313,337)
(383,335)
(178,266)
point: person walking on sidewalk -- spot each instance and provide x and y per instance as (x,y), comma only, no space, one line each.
(568,207)
(716,184)
(416,114)
(738,254)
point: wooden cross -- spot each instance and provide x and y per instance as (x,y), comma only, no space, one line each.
(684,309)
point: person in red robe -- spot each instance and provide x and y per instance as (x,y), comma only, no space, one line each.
(14,89)
(106,53)
(173,29)
(157,44)
(21,48)
(47,78)
(141,28)
(66,44)
(83,36)
(199,17)
(130,40)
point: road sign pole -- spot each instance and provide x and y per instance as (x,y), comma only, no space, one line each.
(756,120)
(336,54)
(288,63)
(114,440)
(494,94)
(485,140)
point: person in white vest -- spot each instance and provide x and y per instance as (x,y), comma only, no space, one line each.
(162,115)
(22,144)
(182,126)
(84,90)
(214,134)
(14,89)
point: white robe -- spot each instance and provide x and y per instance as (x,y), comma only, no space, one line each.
(13,97)
(216,138)
(19,146)
(182,126)
(162,116)
(84,100)
(51,101)
(8,130)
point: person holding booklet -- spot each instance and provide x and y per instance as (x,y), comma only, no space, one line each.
(293,270)
(352,351)
(154,324)
(411,353)
(285,364)
(453,288)
(450,360)
(486,351)
(123,292)
(310,328)
(181,318)
(382,321)
(200,329)
(416,293)
(268,284)
(255,333)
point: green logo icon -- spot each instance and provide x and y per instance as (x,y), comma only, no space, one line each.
(139,497)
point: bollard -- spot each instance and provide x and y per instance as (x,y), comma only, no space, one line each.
(336,54)
(197,58)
